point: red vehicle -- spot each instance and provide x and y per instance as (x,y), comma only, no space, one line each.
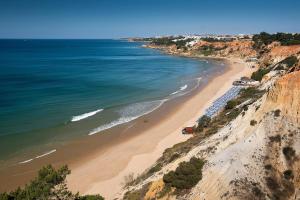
(188,130)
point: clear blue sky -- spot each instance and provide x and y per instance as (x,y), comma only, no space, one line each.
(123,18)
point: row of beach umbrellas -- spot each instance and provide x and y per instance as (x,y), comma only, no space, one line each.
(220,103)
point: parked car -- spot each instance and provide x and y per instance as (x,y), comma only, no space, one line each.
(188,130)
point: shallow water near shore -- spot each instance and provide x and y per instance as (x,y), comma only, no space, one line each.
(54,91)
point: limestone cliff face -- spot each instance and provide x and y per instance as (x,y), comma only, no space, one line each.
(275,53)
(285,95)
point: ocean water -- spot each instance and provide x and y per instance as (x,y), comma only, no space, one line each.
(54,90)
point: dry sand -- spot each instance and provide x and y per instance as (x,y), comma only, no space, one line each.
(104,172)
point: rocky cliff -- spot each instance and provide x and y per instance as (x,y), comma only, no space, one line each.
(285,95)
(257,154)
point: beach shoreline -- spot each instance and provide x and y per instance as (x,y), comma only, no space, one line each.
(104,172)
(20,170)
(100,162)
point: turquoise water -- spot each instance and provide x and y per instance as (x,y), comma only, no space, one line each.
(54,90)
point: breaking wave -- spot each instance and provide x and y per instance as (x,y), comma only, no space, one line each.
(39,156)
(130,113)
(85,115)
(181,89)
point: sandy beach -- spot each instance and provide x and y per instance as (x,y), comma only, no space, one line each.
(103,172)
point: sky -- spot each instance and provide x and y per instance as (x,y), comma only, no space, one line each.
(129,18)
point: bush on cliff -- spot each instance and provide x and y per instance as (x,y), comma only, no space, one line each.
(231,104)
(203,122)
(290,61)
(186,175)
(284,38)
(258,75)
(49,184)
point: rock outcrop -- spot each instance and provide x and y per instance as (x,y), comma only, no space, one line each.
(285,95)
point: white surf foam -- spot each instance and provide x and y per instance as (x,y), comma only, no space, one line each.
(130,113)
(26,161)
(47,153)
(181,89)
(85,115)
(112,124)
(39,156)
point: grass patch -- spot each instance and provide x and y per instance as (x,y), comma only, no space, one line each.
(136,194)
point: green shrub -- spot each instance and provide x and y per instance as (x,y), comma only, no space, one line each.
(137,194)
(186,175)
(155,168)
(258,75)
(166,189)
(290,61)
(91,197)
(163,41)
(249,92)
(284,38)
(49,184)
(279,67)
(231,104)
(203,122)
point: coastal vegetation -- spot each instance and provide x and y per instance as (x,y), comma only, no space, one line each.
(285,64)
(206,127)
(179,41)
(186,175)
(289,61)
(211,39)
(258,75)
(163,41)
(208,50)
(277,183)
(285,39)
(136,194)
(49,184)
(203,122)
(231,104)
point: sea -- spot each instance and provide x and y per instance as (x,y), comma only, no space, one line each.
(55,91)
